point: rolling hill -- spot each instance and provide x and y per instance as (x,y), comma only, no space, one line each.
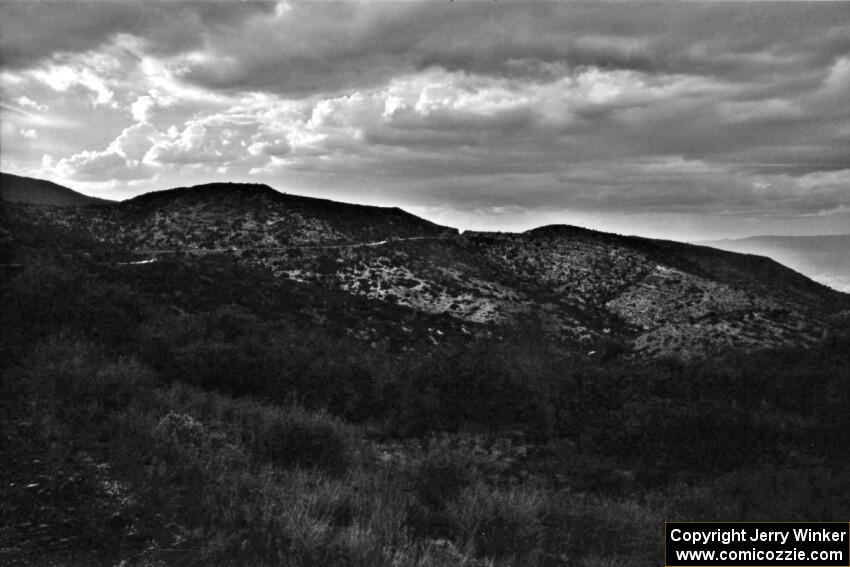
(229,375)
(17,189)
(586,290)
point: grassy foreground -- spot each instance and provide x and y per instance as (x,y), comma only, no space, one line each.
(152,424)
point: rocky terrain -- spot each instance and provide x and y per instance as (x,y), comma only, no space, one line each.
(587,290)
(226,375)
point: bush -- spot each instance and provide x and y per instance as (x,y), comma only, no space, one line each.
(83,386)
(297,438)
(500,523)
(453,386)
(285,436)
(179,430)
(46,297)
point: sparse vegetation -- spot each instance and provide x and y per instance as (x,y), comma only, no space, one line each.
(660,298)
(203,410)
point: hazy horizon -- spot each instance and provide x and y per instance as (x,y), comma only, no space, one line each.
(686,121)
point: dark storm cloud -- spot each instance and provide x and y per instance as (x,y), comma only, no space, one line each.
(32,31)
(337,46)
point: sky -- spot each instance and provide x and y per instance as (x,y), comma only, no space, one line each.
(685,120)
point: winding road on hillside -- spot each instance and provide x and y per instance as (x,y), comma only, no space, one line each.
(155,253)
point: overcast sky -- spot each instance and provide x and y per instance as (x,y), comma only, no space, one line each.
(685,121)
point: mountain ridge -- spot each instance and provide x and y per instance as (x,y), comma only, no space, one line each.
(20,189)
(584,288)
(824,258)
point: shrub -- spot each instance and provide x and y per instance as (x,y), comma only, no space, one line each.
(84,386)
(302,440)
(500,523)
(179,429)
(286,435)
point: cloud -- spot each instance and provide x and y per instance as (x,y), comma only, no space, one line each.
(732,109)
(31,32)
(221,139)
(141,108)
(123,158)
(135,141)
(456,123)
(26,102)
(63,77)
(97,166)
(276,148)
(335,47)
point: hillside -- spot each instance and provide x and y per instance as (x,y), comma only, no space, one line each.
(825,259)
(226,375)
(17,189)
(587,290)
(243,216)
(234,216)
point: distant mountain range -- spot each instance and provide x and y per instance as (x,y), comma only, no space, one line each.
(587,291)
(17,189)
(825,259)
